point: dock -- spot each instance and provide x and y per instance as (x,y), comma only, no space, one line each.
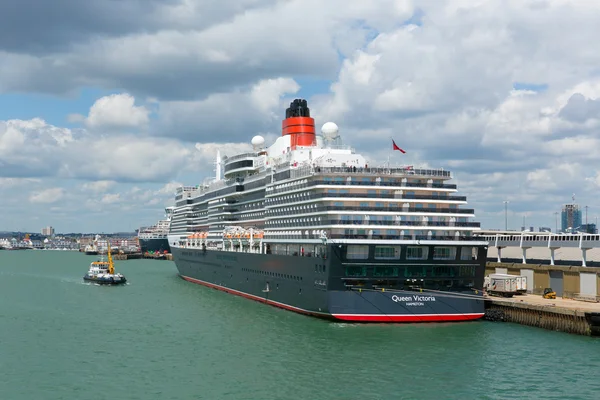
(564,315)
(576,308)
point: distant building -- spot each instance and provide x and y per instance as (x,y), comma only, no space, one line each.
(570,217)
(48,231)
(544,229)
(589,228)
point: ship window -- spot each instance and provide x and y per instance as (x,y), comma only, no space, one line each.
(466,271)
(466,253)
(387,252)
(444,271)
(385,271)
(444,253)
(416,253)
(415,272)
(356,252)
(356,271)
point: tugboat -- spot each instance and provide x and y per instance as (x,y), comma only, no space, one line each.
(103,272)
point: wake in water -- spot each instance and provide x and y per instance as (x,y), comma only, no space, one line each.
(342,325)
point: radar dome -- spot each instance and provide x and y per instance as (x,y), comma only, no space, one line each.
(329,130)
(258,141)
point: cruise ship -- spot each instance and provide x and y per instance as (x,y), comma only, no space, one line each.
(155,238)
(307,225)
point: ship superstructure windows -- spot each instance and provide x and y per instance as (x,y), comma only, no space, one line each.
(385,271)
(355,271)
(387,252)
(468,253)
(417,253)
(443,271)
(357,252)
(444,253)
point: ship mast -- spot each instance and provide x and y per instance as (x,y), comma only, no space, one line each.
(111,266)
(218,166)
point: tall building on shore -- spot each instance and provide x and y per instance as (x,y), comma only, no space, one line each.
(570,217)
(48,231)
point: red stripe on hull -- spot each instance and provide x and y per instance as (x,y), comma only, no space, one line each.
(408,318)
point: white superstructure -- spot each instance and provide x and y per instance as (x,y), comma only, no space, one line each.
(306,189)
(160,230)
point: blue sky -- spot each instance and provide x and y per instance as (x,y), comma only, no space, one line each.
(51,108)
(104,111)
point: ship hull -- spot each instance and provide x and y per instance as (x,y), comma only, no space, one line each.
(105,281)
(299,284)
(155,245)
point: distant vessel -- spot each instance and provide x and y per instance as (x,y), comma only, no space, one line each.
(103,272)
(155,238)
(91,250)
(308,226)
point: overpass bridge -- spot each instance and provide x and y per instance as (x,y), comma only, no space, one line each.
(542,247)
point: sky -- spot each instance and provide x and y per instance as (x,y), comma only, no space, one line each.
(107,107)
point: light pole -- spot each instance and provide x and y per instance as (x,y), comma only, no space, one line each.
(505,215)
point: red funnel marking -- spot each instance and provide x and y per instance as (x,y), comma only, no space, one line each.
(300,129)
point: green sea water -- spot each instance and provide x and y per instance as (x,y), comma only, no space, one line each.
(160,337)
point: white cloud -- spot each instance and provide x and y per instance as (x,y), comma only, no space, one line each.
(232,116)
(14,182)
(179,59)
(111,198)
(34,148)
(98,186)
(266,94)
(503,92)
(51,195)
(117,110)
(169,188)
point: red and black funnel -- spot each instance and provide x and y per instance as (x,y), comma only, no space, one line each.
(299,125)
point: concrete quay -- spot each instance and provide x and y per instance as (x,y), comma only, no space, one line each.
(560,314)
(568,281)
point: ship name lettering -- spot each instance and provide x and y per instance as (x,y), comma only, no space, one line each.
(416,298)
(424,298)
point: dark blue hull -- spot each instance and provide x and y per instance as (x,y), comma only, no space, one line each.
(155,245)
(319,287)
(105,281)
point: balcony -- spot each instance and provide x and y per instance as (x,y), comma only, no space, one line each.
(358,223)
(311,196)
(354,182)
(395,210)
(270,236)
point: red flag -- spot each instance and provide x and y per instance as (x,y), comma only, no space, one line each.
(396,147)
